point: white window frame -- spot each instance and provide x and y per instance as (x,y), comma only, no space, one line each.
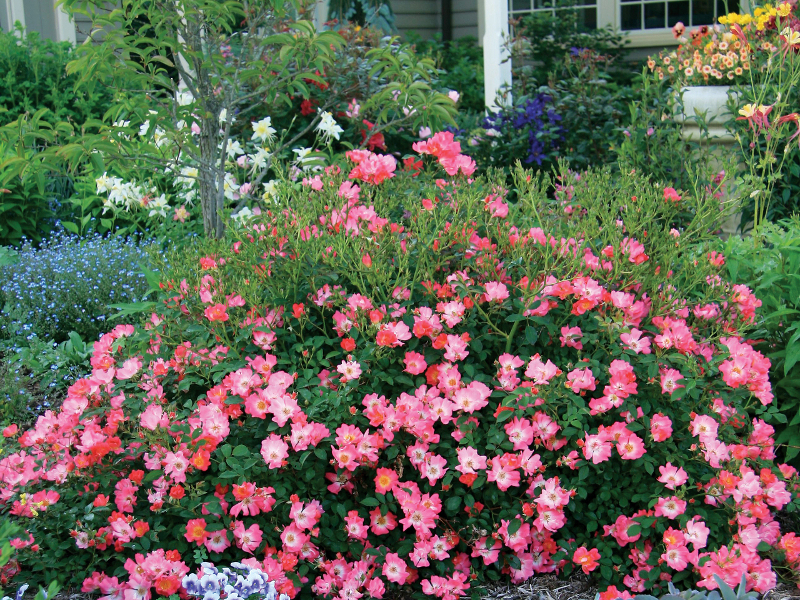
(609,14)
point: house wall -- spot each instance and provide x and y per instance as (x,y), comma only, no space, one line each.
(420,16)
(465,18)
(40,16)
(424,17)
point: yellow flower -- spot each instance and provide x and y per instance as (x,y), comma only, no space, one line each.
(758,12)
(748,110)
(785,9)
(724,19)
(792,37)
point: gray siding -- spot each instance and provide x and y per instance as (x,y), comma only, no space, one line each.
(424,17)
(465,18)
(420,16)
(40,16)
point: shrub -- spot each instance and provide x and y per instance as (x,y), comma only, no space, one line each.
(28,207)
(529,132)
(67,284)
(401,379)
(461,65)
(594,108)
(770,265)
(34,76)
(36,89)
(547,38)
(34,376)
(570,99)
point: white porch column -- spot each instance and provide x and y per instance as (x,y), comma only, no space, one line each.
(496,63)
(65,27)
(15,11)
(320,14)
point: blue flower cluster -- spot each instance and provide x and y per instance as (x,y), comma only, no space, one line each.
(535,117)
(239,582)
(67,284)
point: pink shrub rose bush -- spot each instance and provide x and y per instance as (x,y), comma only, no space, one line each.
(399,384)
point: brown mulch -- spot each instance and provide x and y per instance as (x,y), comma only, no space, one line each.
(543,587)
(549,587)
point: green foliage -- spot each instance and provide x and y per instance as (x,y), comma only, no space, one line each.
(593,108)
(36,93)
(369,13)
(26,211)
(33,76)
(770,266)
(461,68)
(725,592)
(654,144)
(35,375)
(547,38)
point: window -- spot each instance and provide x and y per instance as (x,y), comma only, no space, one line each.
(586,10)
(636,15)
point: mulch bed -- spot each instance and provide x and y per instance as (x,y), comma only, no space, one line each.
(543,587)
(549,587)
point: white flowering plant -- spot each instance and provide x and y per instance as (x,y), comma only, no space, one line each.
(185,100)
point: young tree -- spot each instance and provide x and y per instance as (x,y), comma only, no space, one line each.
(186,72)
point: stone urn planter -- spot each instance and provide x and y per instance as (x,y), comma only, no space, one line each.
(711,101)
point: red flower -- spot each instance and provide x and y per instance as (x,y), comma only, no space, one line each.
(468,479)
(409,164)
(166,585)
(586,559)
(348,344)
(307,107)
(374,141)
(218,312)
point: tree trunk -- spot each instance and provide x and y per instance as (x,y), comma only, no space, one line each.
(210,187)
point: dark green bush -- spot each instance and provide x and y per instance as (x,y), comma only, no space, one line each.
(34,76)
(36,90)
(770,265)
(461,62)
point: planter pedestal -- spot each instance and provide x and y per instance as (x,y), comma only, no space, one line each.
(711,101)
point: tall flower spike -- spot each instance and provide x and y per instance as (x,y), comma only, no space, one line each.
(791,41)
(737,30)
(791,118)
